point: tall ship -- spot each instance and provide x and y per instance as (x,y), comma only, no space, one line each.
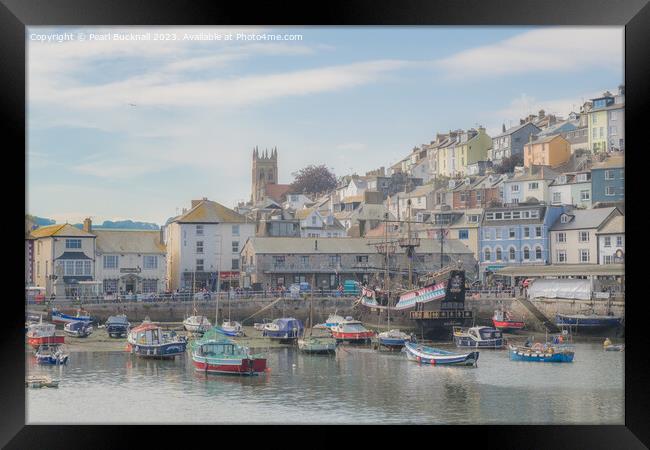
(430,307)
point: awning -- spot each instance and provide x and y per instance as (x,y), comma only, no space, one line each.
(570,289)
(73,255)
(561,270)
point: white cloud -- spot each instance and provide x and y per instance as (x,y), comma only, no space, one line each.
(542,50)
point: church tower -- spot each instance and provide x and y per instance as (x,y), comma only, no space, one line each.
(265,171)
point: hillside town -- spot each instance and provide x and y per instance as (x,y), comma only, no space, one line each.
(544,198)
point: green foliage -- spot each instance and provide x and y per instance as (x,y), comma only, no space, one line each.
(313,180)
(508,164)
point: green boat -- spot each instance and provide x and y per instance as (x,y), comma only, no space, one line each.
(313,344)
(216,353)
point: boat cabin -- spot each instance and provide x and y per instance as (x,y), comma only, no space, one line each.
(220,349)
(148,336)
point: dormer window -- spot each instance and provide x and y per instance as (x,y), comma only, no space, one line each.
(565,218)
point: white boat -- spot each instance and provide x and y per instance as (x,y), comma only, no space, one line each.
(271,327)
(232,328)
(317,345)
(394,338)
(197,324)
(332,321)
(51,354)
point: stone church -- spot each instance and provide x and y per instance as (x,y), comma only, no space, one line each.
(264,180)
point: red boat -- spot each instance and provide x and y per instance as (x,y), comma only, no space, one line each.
(504,321)
(351,331)
(43,333)
(225,356)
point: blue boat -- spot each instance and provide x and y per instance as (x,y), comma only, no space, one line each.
(284,329)
(588,321)
(61,318)
(429,355)
(393,339)
(51,354)
(481,337)
(149,341)
(542,353)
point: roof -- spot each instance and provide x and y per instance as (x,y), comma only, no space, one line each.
(584,218)
(419,191)
(611,162)
(352,199)
(545,139)
(462,222)
(614,226)
(521,207)
(65,229)
(276,191)
(73,255)
(129,241)
(303,213)
(347,245)
(514,129)
(208,211)
(562,270)
(542,173)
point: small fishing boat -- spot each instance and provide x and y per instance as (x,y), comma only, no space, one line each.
(504,321)
(197,324)
(434,356)
(542,353)
(149,341)
(588,321)
(483,337)
(218,354)
(332,321)
(351,331)
(284,329)
(43,333)
(51,354)
(39,381)
(232,328)
(393,339)
(78,329)
(609,347)
(317,345)
(259,326)
(60,318)
(117,326)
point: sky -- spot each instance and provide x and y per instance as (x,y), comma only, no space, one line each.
(135,129)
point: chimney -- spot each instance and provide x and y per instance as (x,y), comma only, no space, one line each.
(541,114)
(88,225)
(522,121)
(162,235)
(196,202)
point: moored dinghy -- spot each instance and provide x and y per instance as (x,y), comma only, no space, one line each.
(481,337)
(197,324)
(542,353)
(148,340)
(351,331)
(434,356)
(393,339)
(232,328)
(78,329)
(59,317)
(51,354)
(284,329)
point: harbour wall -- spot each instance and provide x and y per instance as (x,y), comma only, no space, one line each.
(483,309)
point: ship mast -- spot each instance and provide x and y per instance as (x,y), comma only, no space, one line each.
(387,275)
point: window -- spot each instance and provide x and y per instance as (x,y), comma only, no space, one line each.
(463,234)
(199,265)
(534,214)
(235,264)
(362,259)
(304,260)
(594,133)
(514,188)
(602,132)
(538,253)
(561,256)
(335,260)
(619,241)
(79,268)
(609,174)
(557,197)
(38,268)
(235,230)
(235,246)
(612,131)
(69,268)
(511,233)
(472,218)
(313,220)
(278,261)
(526,232)
(608,241)
(199,230)
(498,252)
(489,216)
(609,191)
(87,268)
(507,215)
(110,286)
(525,214)
(607,259)
(583,236)
(486,252)
(516,214)
(538,232)
(584,255)
(479,196)
(110,261)
(498,231)
(560,237)
(511,254)
(199,246)
(149,286)
(585,195)
(498,216)
(533,186)
(73,243)
(150,262)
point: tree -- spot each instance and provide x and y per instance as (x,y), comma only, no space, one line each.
(508,164)
(313,180)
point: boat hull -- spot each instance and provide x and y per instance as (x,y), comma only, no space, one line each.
(534,356)
(117,331)
(357,337)
(392,342)
(44,340)
(588,322)
(51,360)
(317,347)
(467,342)
(508,325)
(244,366)
(60,318)
(445,358)
(162,351)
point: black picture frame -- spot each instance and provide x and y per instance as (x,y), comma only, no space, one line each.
(15,15)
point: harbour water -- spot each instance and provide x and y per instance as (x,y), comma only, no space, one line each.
(357,386)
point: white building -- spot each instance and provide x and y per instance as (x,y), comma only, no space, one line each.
(314,224)
(130,261)
(203,244)
(296,201)
(611,242)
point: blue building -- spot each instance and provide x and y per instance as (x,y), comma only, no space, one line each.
(516,235)
(511,142)
(607,180)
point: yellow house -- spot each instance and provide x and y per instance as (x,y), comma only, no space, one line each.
(597,131)
(473,150)
(550,151)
